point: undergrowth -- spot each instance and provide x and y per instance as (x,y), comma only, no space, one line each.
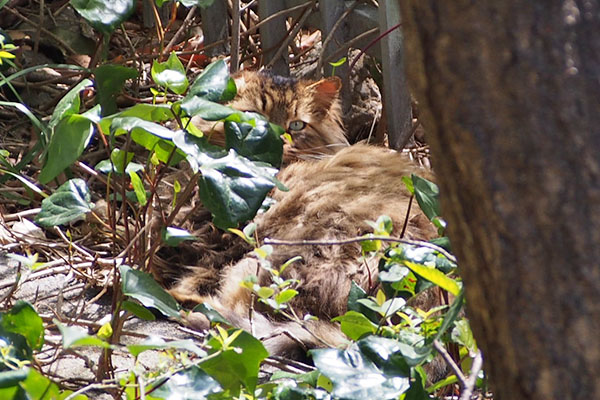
(391,340)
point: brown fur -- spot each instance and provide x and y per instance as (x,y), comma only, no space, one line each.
(329,199)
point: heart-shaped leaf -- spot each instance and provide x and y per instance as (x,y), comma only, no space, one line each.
(70,201)
(255,139)
(214,83)
(170,74)
(104,15)
(142,287)
(70,138)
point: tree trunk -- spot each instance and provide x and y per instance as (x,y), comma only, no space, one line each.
(509,92)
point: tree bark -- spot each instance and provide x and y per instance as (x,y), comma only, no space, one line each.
(510,96)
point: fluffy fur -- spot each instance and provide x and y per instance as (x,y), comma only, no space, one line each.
(329,199)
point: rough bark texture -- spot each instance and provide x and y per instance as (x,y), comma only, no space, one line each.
(510,92)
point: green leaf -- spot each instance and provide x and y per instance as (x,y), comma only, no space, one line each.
(138,187)
(285,296)
(255,139)
(147,112)
(355,325)
(373,372)
(121,125)
(140,286)
(37,386)
(71,137)
(69,104)
(214,83)
(120,159)
(70,201)
(13,377)
(104,15)
(172,236)
(435,276)
(25,321)
(199,3)
(213,315)
(233,188)
(462,334)
(110,80)
(205,109)
(427,194)
(76,336)
(190,384)
(452,314)
(152,136)
(156,343)
(339,62)
(170,74)
(138,311)
(237,366)
(265,292)
(197,150)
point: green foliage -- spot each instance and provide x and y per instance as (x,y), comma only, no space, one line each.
(109,83)
(170,74)
(140,286)
(104,15)
(70,201)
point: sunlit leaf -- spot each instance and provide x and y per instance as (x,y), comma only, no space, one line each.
(71,136)
(104,15)
(142,287)
(239,365)
(214,83)
(70,201)
(355,325)
(25,321)
(172,236)
(170,74)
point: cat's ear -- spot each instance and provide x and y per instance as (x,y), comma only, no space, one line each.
(326,91)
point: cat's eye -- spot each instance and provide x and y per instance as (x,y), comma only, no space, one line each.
(297,125)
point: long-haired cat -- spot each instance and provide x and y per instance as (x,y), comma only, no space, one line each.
(334,189)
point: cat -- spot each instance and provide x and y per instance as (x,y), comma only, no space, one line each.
(334,188)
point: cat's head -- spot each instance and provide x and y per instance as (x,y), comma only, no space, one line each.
(309,111)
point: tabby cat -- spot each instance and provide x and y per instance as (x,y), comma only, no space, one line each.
(334,189)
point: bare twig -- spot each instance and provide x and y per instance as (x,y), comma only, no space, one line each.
(42,29)
(235,36)
(350,43)
(276,242)
(470,384)
(186,23)
(330,35)
(372,43)
(462,380)
(290,36)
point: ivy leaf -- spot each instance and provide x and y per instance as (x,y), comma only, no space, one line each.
(156,343)
(214,83)
(355,325)
(427,194)
(76,336)
(205,109)
(142,287)
(70,201)
(69,104)
(254,139)
(138,310)
(190,384)
(25,321)
(110,80)
(238,365)
(71,136)
(172,236)
(104,15)
(233,188)
(363,373)
(170,74)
